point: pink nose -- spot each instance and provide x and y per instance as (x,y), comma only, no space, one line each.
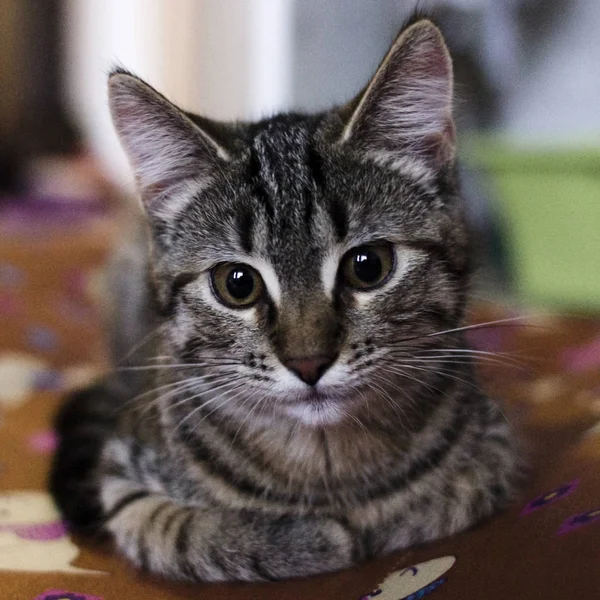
(310,370)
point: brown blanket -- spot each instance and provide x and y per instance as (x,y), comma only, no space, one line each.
(547,370)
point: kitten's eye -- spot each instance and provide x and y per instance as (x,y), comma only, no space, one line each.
(236,285)
(366,267)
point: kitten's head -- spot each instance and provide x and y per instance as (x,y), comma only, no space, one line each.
(299,257)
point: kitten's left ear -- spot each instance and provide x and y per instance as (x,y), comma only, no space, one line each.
(407,107)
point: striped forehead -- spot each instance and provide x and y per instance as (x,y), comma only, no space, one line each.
(287,223)
(285,172)
(290,218)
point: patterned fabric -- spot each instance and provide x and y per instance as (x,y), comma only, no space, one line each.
(58,595)
(37,532)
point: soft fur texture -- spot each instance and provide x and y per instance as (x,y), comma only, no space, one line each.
(212,460)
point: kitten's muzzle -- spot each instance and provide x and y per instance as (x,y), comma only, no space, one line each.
(310,369)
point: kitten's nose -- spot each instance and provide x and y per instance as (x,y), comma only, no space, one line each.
(311,369)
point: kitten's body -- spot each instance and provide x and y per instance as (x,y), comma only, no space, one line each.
(247,472)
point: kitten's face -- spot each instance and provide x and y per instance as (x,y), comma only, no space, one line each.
(307,256)
(332,259)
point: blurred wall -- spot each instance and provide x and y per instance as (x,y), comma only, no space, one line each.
(227,60)
(337,45)
(557,95)
(239,59)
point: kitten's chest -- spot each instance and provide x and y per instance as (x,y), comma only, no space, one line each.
(310,473)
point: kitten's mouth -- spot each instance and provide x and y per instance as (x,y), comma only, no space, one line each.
(315,397)
(318,407)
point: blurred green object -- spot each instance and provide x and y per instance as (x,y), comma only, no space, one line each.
(549,204)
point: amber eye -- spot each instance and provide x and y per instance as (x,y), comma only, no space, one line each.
(366,267)
(236,285)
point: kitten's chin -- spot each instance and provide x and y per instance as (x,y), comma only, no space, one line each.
(316,413)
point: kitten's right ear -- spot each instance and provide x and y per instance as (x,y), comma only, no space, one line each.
(163,145)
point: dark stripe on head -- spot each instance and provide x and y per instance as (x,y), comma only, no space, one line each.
(245,229)
(257,184)
(339,217)
(314,181)
(314,162)
(309,208)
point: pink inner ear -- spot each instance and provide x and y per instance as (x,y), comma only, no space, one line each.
(153,195)
(151,192)
(426,56)
(440,147)
(407,108)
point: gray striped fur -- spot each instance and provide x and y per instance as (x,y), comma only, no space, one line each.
(214,463)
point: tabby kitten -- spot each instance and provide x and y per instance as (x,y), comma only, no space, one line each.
(306,399)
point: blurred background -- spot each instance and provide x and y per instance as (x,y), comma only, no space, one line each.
(528,110)
(528,115)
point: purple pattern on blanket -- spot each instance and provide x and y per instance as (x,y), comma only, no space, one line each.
(10,275)
(39,532)
(19,213)
(61,595)
(48,380)
(582,358)
(580,520)
(550,497)
(40,337)
(43,442)
(9,305)
(490,339)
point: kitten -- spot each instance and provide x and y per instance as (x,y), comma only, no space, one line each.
(305,403)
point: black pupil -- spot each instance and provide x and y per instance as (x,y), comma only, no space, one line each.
(240,283)
(367,266)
